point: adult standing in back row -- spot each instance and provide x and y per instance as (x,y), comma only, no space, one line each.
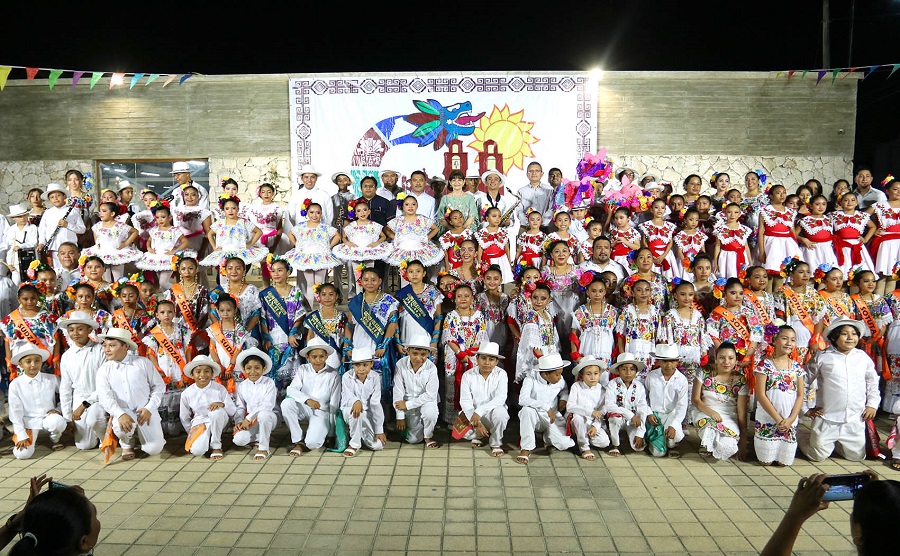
(535,195)
(181,173)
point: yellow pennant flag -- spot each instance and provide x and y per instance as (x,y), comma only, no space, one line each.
(4,73)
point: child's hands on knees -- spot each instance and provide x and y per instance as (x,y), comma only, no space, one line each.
(126,423)
(400,405)
(652,419)
(401,424)
(313,404)
(670,433)
(216,405)
(143,416)
(636,421)
(242,426)
(592,432)
(357,409)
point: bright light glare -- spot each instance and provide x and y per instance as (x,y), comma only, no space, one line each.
(596,74)
(117,79)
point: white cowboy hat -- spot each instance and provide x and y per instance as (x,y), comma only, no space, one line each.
(626,357)
(202,361)
(421,341)
(54,188)
(653,185)
(314,344)
(361,355)
(79,317)
(473,176)
(859,325)
(19,210)
(267,361)
(125,185)
(178,167)
(490,348)
(309,169)
(496,173)
(552,362)
(588,362)
(335,175)
(119,334)
(388,171)
(22,348)
(666,352)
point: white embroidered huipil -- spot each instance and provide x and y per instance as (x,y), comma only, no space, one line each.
(668,398)
(371,421)
(844,384)
(195,402)
(30,399)
(536,398)
(78,383)
(417,388)
(129,385)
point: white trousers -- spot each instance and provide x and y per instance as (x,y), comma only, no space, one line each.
(91,427)
(149,435)
(53,424)
(849,439)
(420,423)
(580,427)
(321,423)
(531,420)
(616,424)
(259,431)
(495,422)
(211,438)
(361,431)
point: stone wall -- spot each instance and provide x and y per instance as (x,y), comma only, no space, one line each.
(250,172)
(17,176)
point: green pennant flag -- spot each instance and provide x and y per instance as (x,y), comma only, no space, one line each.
(804,74)
(4,73)
(153,77)
(95,77)
(834,74)
(135,79)
(54,75)
(895,68)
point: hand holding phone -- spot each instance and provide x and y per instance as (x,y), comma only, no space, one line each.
(844,487)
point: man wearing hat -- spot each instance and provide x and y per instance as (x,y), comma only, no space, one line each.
(181,172)
(389,179)
(669,393)
(130,390)
(361,403)
(494,180)
(78,368)
(313,396)
(482,398)
(309,190)
(416,392)
(67,220)
(21,236)
(205,408)
(543,402)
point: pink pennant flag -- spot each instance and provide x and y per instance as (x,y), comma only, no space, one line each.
(116,79)
(75,77)
(31,72)
(169,80)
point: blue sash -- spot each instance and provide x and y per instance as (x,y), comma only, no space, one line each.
(415,309)
(277,308)
(315,323)
(366,319)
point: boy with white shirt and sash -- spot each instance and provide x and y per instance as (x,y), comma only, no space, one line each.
(205,408)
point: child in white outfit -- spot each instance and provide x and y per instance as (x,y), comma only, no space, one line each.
(313,396)
(626,403)
(543,401)
(416,392)
(361,403)
(257,409)
(482,398)
(669,393)
(585,407)
(205,408)
(33,403)
(78,384)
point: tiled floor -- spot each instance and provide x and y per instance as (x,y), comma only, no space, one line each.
(406,500)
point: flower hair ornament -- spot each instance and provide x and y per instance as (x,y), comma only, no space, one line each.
(155,205)
(116,287)
(528,289)
(272,258)
(225,197)
(719,287)
(403,264)
(34,267)
(400,198)
(222,180)
(43,289)
(788,265)
(176,260)
(888,179)
(317,287)
(762,177)
(821,271)
(351,209)
(358,272)
(895,272)
(447,212)
(854,274)
(70,289)
(674,283)
(585,280)
(686,262)
(628,284)
(587,221)
(81,260)
(304,206)
(632,259)
(712,179)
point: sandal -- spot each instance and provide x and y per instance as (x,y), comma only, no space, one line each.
(895,464)
(497,452)
(57,447)
(128,455)
(432,444)
(522,458)
(674,454)
(297,450)
(216,455)
(477,443)
(261,455)
(614,452)
(589,455)
(349,452)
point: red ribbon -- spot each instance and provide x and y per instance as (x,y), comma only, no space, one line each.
(658,247)
(461,368)
(888,235)
(841,243)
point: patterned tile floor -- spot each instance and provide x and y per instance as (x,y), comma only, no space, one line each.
(406,500)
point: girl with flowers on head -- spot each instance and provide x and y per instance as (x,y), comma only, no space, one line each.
(801,307)
(452,239)
(562,220)
(875,312)
(113,241)
(131,317)
(463,332)
(562,277)
(529,251)
(689,242)
(685,327)
(885,247)
(638,322)
(732,252)
(892,345)
(494,304)
(837,302)
(281,315)
(233,236)
(35,326)
(642,263)
(469,270)
(190,298)
(776,235)
(234,269)
(760,302)
(229,188)
(852,230)
(538,330)
(624,238)
(168,346)
(81,295)
(520,299)
(411,234)
(92,270)
(268,216)
(194,221)
(227,338)
(364,240)
(313,242)
(731,322)
(164,241)
(593,323)
(657,236)
(373,325)
(420,303)
(494,244)
(779,393)
(719,406)
(815,235)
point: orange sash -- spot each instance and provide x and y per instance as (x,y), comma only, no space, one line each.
(831,301)
(169,347)
(121,321)
(232,351)
(187,313)
(797,307)
(875,339)
(743,331)
(764,315)
(193,435)
(29,335)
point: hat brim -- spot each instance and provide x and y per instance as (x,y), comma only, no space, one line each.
(65,323)
(663,358)
(500,357)
(130,343)
(239,363)
(31,350)
(335,176)
(202,362)
(639,364)
(860,327)
(588,363)
(493,173)
(46,194)
(416,346)
(15,214)
(563,364)
(328,349)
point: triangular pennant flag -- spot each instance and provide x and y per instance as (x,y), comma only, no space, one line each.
(778,74)
(153,77)
(185,78)
(791,74)
(821,74)
(851,70)
(169,80)
(54,75)
(4,73)
(834,74)
(135,79)
(75,77)
(95,77)
(895,68)
(804,74)
(868,73)
(116,79)
(31,72)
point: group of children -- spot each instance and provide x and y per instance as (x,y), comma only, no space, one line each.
(683,314)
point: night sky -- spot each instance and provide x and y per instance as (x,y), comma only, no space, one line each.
(379,36)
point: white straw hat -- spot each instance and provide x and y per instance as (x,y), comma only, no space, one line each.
(626,357)
(490,348)
(859,325)
(485,175)
(267,361)
(551,362)
(421,341)
(54,188)
(361,355)
(309,169)
(588,362)
(314,344)
(178,167)
(19,210)
(121,335)
(335,175)
(125,185)
(79,317)
(202,361)
(22,348)
(666,352)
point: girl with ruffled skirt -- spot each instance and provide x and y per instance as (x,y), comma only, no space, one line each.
(364,240)
(114,241)
(312,248)
(164,240)
(233,236)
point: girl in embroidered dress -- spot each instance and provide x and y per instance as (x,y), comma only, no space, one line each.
(190,298)
(493,304)
(411,234)
(494,244)
(731,322)
(719,406)
(529,251)
(247,295)
(328,323)
(464,330)
(689,242)
(657,236)
(227,338)
(82,297)
(754,199)
(638,323)
(469,271)
(131,317)
(685,326)
(113,241)
(164,241)
(659,286)
(801,307)
(837,302)
(33,325)
(420,305)
(732,252)
(815,236)
(757,300)
(229,188)
(93,269)
(233,236)
(364,240)
(780,394)
(452,239)
(281,314)
(852,230)
(776,235)
(195,222)
(269,218)
(539,336)
(520,300)
(593,326)
(375,335)
(313,243)
(885,247)
(562,277)
(624,237)
(874,311)
(168,348)
(892,346)
(562,220)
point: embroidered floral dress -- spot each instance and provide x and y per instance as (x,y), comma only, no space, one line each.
(532,249)
(658,238)
(538,332)
(881,311)
(639,330)
(720,439)
(313,250)
(248,304)
(837,305)
(107,245)
(733,250)
(451,243)
(892,335)
(411,241)
(691,337)
(779,241)
(266,218)
(815,310)
(199,304)
(430,298)
(231,241)
(170,406)
(238,337)
(162,242)
(689,245)
(721,327)
(563,292)
(272,305)
(190,220)
(494,317)
(818,230)
(385,308)
(620,251)
(781,389)
(467,333)
(848,232)
(363,235)
(596,332)
(334,329)
(43,325)
(493,251)
(659,291)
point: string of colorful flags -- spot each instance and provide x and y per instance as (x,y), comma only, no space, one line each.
(820,73)
(116,78)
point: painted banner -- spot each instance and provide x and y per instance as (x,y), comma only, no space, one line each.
(362,124)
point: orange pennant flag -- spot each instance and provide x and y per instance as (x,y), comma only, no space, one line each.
(31,72)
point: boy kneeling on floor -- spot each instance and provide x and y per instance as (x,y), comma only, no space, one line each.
(361,403)
(416,393)
(313,396)
(543,401)
(668,391)
(482,398)
(205,408)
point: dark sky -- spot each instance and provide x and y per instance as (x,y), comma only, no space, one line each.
(331,36)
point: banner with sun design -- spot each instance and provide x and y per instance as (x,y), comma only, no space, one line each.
(436,123)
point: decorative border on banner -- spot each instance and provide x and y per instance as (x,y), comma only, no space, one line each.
(303,89)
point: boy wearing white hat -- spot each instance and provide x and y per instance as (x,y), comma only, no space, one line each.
(416,392)
(130,390)
(33,399)
(585,407)
(543,402)
(626,403)
(482,398)
(205,408)
(361,403)
(669,393)
(59,216)
(21,235)
(78,368)
(313,396)
(257,409)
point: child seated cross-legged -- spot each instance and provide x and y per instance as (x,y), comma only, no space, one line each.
(313,396)
(361,403)
(585,407)
(668,393)
(626,403)
(482,398)
(33,405)
(719,412)
(257,410)
(543,401)
(205,408)
(78,380)
(416,392)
